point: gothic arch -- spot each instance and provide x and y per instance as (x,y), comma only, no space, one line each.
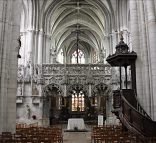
(51,88)
(77,87)
(101,90)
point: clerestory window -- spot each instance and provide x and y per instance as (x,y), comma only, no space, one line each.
(78,57)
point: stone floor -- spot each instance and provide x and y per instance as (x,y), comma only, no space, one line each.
(76,137)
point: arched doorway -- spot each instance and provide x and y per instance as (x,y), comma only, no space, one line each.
(101,99)
(77,101)
(52,103)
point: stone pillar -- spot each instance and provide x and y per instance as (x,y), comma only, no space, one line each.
(146,98)
(40,47)
(30,46)
(9,33)
(42,95)
(151,23)
(47,48)
(110,44)
(136,45)
(35,58)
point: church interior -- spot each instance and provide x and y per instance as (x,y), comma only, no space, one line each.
(77,71)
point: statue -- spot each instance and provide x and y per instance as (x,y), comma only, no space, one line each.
(19,46)
(121,35)
(28,71)
(53,53)
(35,91)
(19,90)
(28,111)
(19,42)
(101,56)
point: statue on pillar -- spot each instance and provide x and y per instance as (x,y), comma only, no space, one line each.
(101,56)
(19,90)
(28,112)
(53,54)
(19,46)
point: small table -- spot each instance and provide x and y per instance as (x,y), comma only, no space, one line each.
(76,122)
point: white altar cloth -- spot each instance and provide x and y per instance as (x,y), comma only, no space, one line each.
(76,122)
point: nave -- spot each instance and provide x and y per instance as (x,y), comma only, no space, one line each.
(77,59)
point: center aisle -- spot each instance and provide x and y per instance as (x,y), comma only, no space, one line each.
(76,137)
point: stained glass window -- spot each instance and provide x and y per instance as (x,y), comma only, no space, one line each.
(80,56)
(77,101)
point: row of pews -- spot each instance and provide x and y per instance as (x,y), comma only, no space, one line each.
(33,134)
(115,134)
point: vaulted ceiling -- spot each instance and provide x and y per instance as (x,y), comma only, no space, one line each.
(91,19)
(67,21)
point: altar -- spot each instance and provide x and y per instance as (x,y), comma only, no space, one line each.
(77,123)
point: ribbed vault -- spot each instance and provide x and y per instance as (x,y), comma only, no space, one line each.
(59,19)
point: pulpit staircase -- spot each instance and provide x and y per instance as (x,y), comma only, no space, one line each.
(132,115)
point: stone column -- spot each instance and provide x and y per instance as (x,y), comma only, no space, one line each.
(40,47)
(47,48)
(9,33)
(42,95)
(30,46)
(110,44)
(136,45)
(35,47)
(146,98)
(151,23)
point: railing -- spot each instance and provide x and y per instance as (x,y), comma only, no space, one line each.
(76,69)
(132,114)
(130,96)
(137,120)
(37,73)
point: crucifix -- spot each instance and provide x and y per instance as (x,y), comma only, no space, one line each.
(77,43)
(77,31)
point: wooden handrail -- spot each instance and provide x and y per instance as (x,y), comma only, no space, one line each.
(132,114)
(141,123)
(130,97)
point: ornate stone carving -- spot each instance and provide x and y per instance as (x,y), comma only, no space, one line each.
(19,99)
(19,90)
(101,57)
(49,88)
(75,69)
(28,111)
(101,89)
(20,75)
(24,73)
(63,75)
(76,87)
(35,91)
(35,99)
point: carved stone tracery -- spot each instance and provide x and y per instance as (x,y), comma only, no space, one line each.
(63,76)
